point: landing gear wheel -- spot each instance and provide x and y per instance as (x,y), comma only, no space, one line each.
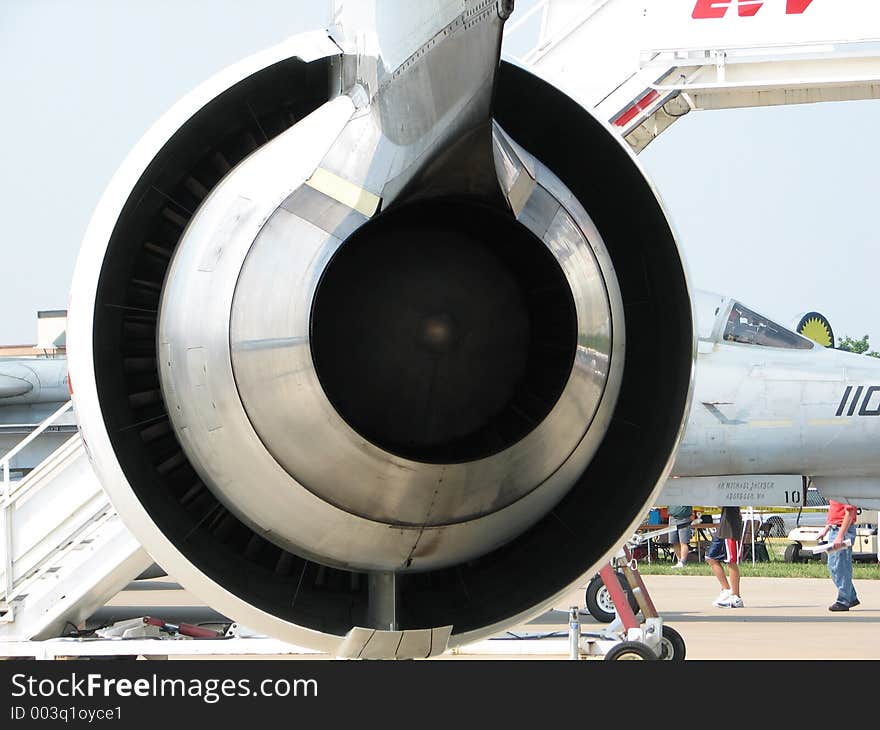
(672,648)
(631,651)
(792,553)
(599,602)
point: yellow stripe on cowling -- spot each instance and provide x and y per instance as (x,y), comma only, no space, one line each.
(771,424)
(345,192)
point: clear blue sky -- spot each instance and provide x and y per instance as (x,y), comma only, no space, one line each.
(776,206)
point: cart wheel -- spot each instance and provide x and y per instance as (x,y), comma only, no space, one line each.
(599,602)
(632,651)
(792,553)
(672,648)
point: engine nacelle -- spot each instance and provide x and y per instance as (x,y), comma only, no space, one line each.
(425,405)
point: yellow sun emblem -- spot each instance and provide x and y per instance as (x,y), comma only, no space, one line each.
(817,329)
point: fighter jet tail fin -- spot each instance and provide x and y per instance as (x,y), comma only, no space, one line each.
(816,327)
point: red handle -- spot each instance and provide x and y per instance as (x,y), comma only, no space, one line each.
(198,631)
(185,629)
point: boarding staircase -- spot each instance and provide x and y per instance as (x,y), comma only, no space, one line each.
(644,65)
(590,50)
(65,551)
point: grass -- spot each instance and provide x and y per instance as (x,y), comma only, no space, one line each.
(776,567)
(772,569)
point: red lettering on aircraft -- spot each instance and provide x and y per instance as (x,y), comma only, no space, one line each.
(710,9)
(706,9)
(796,7)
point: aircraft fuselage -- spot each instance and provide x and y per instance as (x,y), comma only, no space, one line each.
(770,404)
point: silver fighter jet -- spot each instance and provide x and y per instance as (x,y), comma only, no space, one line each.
(772,410)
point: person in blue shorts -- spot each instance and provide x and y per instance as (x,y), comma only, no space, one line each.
(724,548)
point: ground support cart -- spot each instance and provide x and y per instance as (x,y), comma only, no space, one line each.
(625,637)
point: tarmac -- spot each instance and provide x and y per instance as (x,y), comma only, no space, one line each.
(783,618)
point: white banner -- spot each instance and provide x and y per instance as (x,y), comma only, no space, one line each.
(744,490)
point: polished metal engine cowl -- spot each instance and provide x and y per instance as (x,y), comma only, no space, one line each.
(375,330)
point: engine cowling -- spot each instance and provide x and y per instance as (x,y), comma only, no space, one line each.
(426,408)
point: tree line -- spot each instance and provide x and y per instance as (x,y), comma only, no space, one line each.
(860,347)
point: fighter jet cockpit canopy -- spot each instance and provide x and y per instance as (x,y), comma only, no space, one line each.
(720,319)
(749,327)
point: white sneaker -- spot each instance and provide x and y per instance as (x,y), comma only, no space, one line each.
(679,564)
(732,601)
(723,597)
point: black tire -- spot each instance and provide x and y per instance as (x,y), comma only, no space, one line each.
(792,553)
(598,599)
(672,648)
(631,650)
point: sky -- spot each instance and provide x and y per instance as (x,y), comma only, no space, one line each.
(776,206)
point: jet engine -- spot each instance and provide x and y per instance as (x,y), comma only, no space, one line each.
(377,342)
